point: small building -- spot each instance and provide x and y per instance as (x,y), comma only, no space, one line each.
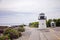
(53,24)
(42,21)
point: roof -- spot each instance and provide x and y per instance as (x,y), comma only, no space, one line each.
(42,14)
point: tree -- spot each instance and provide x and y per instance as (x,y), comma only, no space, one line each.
(48,22)
(58,22)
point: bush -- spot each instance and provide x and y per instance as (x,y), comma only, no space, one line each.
(4,37)
(20,34)
(1,30)
(22,25)
(13,34)
(7,31)
(21,29)
(34,24)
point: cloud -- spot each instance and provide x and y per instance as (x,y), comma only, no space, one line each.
(13,18)
(29,5)
(25,11)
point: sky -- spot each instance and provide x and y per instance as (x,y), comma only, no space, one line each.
(14,12)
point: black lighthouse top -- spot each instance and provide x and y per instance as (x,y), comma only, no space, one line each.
(41,16)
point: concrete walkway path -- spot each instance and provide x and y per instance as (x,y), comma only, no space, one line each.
(35,35)
(38,34)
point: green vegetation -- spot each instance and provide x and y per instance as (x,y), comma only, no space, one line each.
(57,21)
(48,22)
(22,25)
(34,24)
(21,29)
(4,37)
(12,33)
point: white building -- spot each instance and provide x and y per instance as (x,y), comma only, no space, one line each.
(42,21)
(53,24)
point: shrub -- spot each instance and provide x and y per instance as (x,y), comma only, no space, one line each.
(20,34)
(7,31)
(21,29)
(13,34)
(22,25)
(34,24)
(4,37)
(1,30)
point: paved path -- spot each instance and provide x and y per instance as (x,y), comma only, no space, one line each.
(35,35)
(26,34)
(45,34)
(38,34)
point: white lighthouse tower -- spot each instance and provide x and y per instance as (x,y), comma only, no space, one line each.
(42,21)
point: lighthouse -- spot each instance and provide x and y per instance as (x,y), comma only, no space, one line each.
(42,21)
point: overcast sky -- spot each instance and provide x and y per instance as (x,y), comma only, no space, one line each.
(25,11)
